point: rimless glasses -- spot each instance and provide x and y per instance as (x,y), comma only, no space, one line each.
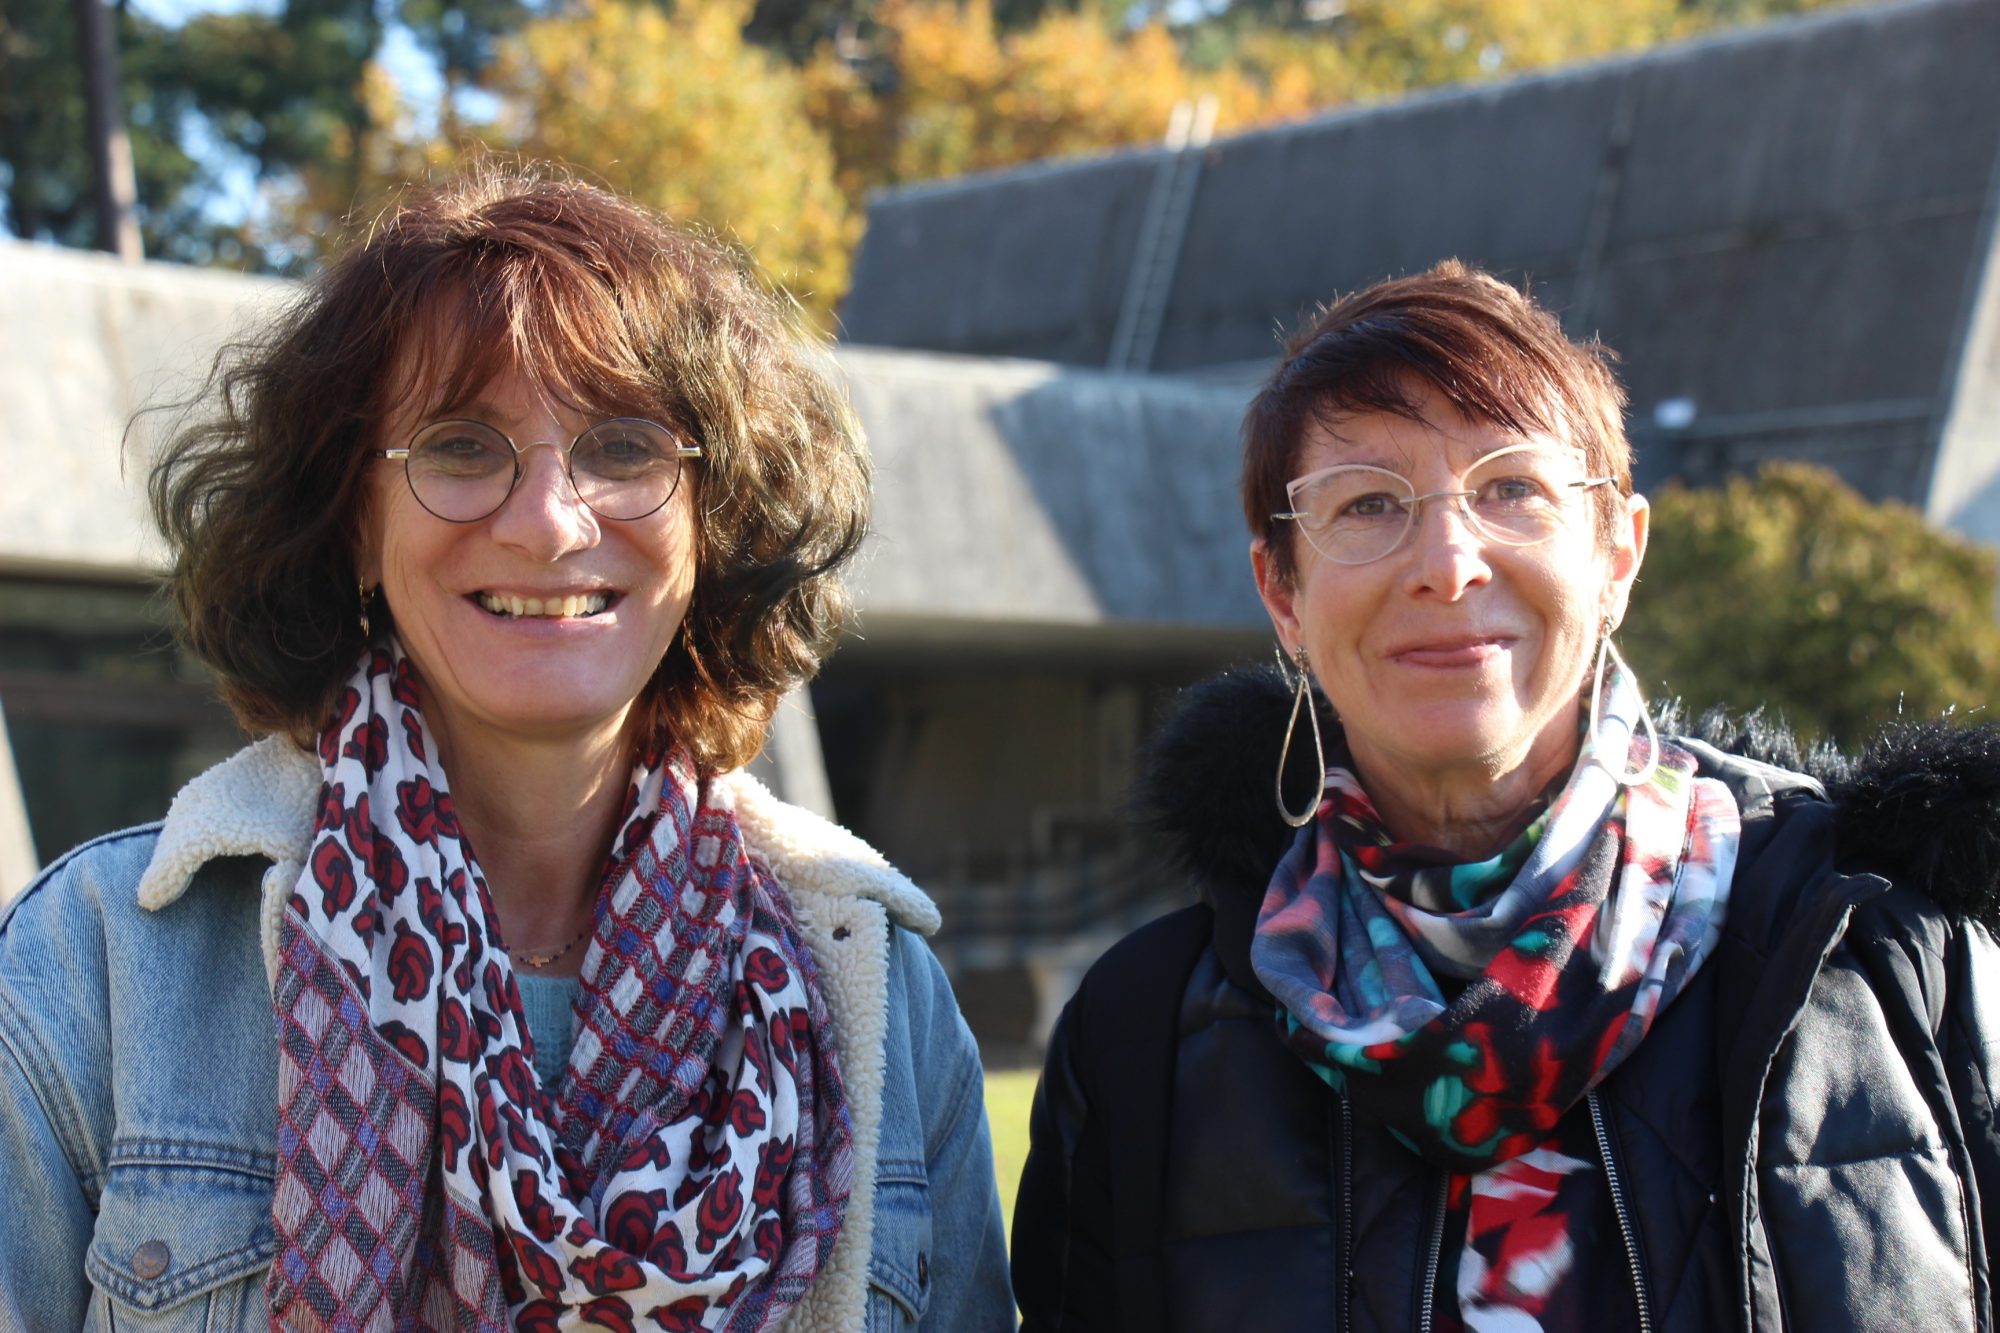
(1354,513)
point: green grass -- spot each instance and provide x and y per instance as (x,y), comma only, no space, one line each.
(1008,1095)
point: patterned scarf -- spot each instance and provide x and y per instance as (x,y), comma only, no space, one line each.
(1567,946)
(690,1170)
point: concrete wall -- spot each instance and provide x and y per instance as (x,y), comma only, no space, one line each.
(1779,226)
(86,342)
(1013,493)
(1965,480)
(1007,493)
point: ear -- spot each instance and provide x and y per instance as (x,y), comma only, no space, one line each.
(1278,593)
(366,551)
(1628,552)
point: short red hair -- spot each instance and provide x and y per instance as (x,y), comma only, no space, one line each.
(1489,350)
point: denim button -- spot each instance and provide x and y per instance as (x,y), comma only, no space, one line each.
(151,1259)
(923,1269)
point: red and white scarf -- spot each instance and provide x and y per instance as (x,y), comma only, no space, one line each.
(691,1169)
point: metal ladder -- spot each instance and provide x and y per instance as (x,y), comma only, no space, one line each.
(1161,230)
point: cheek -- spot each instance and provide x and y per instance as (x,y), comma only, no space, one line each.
(1573,610)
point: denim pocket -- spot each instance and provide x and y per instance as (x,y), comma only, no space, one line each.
(170,1233)
(899,1269)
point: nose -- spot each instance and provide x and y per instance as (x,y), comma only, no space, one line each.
(1447,553)
(543,517)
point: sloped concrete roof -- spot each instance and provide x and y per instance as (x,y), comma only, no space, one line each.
(1012,497)
(1789,228)
(86,341)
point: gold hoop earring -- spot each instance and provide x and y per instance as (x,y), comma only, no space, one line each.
(366,597)
(1299,699)
(1607,652)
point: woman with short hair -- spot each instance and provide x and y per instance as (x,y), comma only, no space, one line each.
(506,540)
(1502,1011)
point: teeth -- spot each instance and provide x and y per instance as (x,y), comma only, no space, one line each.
(587,604)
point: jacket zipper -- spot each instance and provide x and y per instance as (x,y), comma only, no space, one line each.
(1436,1252)
(1346,1213)
(1618,1206)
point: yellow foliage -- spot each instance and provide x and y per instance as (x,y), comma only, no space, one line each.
(965,97)
(675,109)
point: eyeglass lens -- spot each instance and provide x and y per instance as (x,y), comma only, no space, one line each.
(624,468)
(1356,514)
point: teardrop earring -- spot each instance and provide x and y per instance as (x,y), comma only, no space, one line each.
(1607,653)
(1300,698)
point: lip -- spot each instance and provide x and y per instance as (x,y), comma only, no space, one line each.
(1452,651)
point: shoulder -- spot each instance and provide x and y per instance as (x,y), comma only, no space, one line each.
(1921,808)
(85,915)
(811,855)
(1161,952)
(1884,859)
(61,922)
(1918,806)
(1128,1005)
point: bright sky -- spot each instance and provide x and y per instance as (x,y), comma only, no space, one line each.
(400,54)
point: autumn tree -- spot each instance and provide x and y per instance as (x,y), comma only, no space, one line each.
(677,110)
(942,90)
(1790,592)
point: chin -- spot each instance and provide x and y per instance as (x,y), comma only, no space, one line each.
(1455,734)
(558,709)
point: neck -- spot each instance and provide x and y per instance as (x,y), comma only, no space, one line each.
(1466,809)
(541,815)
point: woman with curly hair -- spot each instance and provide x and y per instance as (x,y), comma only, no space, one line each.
(506,540)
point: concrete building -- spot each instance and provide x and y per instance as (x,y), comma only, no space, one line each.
(1786,232)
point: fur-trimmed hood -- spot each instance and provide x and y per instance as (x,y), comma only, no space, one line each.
(1920,805)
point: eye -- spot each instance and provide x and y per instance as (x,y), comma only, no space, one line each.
(461,449)
(1516,488)
(1374,505)
(624,448)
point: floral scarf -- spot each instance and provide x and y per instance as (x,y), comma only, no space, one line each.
(691,1168)
(1563,949)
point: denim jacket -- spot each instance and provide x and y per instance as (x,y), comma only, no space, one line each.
(138,1072)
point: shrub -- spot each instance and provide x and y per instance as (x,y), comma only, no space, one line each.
(1790,592)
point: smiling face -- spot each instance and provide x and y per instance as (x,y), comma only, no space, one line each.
(542,621)
(1453,654)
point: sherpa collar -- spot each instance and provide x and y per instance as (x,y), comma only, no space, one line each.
(259,802)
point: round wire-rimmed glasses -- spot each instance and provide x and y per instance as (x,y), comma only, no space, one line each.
(462,471)
(1355,513)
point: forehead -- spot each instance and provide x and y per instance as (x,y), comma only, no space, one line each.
(460,353)
(1439,439)
(434,383)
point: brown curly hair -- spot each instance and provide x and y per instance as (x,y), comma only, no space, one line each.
(259,491)
(1484,345)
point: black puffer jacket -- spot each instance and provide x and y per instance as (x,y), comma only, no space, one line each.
(1805,1141)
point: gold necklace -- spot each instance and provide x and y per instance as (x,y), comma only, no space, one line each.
(537,961)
